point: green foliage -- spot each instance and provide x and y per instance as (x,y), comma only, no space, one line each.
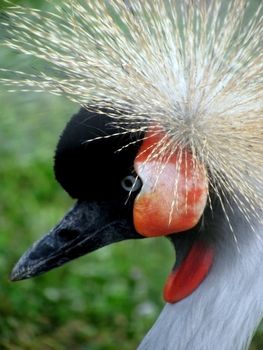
(4,4)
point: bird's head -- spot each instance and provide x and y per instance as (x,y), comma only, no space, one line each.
(127,187)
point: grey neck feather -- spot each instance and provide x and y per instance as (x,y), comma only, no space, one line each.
(225,310)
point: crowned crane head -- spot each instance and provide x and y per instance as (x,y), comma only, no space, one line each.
(168,143)
(124,190)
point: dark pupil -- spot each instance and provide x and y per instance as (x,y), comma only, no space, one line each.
(131,183)
(128,183)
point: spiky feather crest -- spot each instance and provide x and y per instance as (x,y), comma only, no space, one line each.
(190,68)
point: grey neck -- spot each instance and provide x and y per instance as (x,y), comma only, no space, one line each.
(225,310)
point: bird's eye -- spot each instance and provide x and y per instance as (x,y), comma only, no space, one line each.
(131,183)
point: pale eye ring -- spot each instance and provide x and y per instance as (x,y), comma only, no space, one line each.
(131,183)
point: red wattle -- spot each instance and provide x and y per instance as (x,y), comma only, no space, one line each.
(190,274)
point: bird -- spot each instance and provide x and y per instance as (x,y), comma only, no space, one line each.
(167,142)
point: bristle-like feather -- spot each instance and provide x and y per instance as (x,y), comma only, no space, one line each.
(191,68)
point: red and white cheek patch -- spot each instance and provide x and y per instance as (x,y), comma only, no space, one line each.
(174,191)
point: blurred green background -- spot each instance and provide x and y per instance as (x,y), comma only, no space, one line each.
(105,301)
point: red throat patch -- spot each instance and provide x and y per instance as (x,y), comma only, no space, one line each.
(190,274)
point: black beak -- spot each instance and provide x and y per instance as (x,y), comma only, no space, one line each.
(88,226)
